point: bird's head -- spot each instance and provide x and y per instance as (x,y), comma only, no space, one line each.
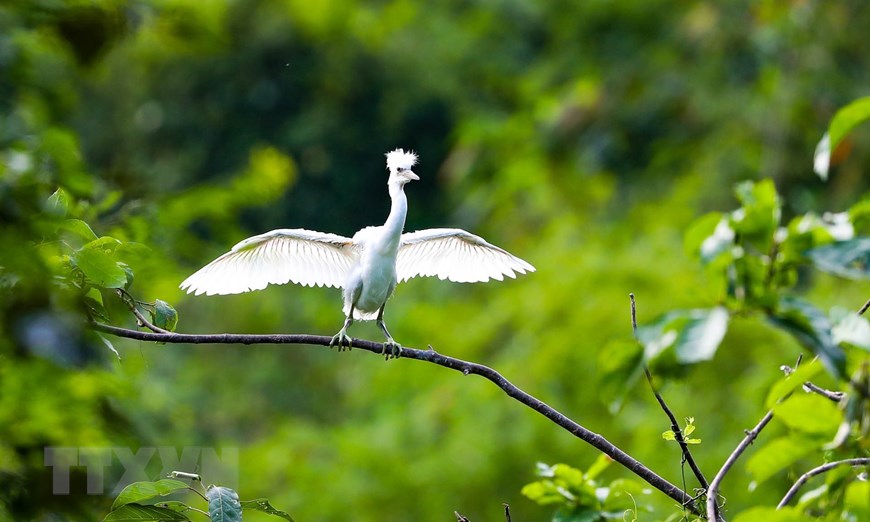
(400,162)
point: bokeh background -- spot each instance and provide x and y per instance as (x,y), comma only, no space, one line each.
(582,136)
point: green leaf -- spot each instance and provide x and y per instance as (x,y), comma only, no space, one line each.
(856,501)
(78,228)
(669,435)
(58,203)
(543,492)
(709,236)
(759,215)
(174,505)
(771,514)
(139,491)
(139,513)
(577,514)
(689,429)
(850,328)
(849,259)
(601,463)
(223,504)
(694,335)
(164,316)
(626,494)
(262,504)
(792,382)
(842,123)
(809,413)
(777,455)
(692,441)
(99,267)
(812,329)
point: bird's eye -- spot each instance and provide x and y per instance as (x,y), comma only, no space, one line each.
(402,169)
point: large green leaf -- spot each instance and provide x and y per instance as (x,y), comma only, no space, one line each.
(223,504)
(139,513)
(812,329)
(842,123)
(792,382)
(99,267)
(771,514)
(262,504)
(693,335)
(809,413)
(777,455)
(849,259)
(139,491)
(79,229)
(164,315)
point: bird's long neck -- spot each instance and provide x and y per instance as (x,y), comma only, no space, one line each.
(396,220)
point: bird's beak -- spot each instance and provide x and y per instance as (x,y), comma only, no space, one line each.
(410,175)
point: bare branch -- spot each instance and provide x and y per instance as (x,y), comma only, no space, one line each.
(713,491)
(864,308)
(835,396)
(433,357)
(507,512)
(818,471)
(460,518)
(675,426)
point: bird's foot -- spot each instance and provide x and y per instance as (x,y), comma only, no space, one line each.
(392,349)
(340,339)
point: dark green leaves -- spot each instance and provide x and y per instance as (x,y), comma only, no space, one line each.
(223,504)
(849,259)
(812,329)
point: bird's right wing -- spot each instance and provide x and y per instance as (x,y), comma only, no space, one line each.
(302,256)
(455,255)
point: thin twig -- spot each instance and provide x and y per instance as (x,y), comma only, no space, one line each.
(818,471)
(713,491)
(131,304)
(675,426)
(507,512)
(835,396)
(459,518)
(433,357)
(864,308)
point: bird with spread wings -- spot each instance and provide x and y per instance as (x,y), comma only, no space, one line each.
(367,266)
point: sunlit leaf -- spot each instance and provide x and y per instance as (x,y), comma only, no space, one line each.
(669,435)
(223,504)
(262,504)
(78,228)
(809,413)
(791,382)
(842,123)
(850,328)
(139,491)
(812,329)
(759,214)
(139,513)
(601,463)
(709,236)
(777,455)
(694,335)
(771,514)
(58,203)
(849,259)
(100,268)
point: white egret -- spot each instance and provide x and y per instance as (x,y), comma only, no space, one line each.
(367,266)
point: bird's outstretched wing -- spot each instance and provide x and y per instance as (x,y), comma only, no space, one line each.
(455,255)
(303,256)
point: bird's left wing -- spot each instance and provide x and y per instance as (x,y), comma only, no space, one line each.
(455,255)
(303,256)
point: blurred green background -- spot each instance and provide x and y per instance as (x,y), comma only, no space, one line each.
(582,136)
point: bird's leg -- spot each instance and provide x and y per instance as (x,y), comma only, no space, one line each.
(342,336)
(395,349)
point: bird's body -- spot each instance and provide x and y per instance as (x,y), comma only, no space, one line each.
(367,267)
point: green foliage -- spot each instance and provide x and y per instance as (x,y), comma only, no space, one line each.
(842,123)
(686,432)
(578,496)
(135,502)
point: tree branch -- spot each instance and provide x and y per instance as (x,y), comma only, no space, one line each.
(431,356)
(835,396)
(864,308)
(818,471)
(675,426)
(713,491)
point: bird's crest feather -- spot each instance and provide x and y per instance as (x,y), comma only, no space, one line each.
(399,159)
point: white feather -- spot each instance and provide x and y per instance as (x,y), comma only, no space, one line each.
(455,255)
(303,256)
